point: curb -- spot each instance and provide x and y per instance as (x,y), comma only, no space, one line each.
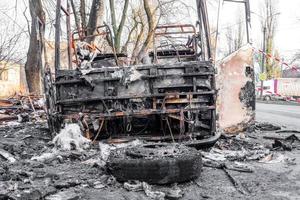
(289,103)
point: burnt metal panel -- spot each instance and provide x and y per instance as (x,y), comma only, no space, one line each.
(170,101)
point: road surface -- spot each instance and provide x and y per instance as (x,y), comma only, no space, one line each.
(286,115)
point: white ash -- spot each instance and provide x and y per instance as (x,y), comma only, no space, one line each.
(71,136)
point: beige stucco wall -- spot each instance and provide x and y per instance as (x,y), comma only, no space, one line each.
(235,112)
(15,83)
(49,45)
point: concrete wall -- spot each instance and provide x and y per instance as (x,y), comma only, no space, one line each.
(236,91)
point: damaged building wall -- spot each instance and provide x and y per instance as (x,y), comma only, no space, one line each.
(12,80)
(236,91)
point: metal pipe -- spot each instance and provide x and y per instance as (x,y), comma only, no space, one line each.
(200,23)
(57,37)
(217,31)
(206,28)
(263,62)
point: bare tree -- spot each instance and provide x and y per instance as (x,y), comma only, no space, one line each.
(9,50)
(33,64)
(150,13)
(76,16)
(269,12)
(234,35)
(139,34)
(140,23)
(296,57)
(83,13)
(135,25)
(118,29)
(96,17)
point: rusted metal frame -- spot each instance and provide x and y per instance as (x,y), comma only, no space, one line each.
(99,130)
(206,28)
(132,97)
(179,101)
(157,57)
(83,37)
(190,64)
(162,126)
(49,90)
(114,115)
(31,103)
(178,75)
(123,139)
(171,33)
(174,86)
(148,68)
(201,31)
(111,70)
(152,71)
(167,33)
(81,80)
(176,26)
(181,124)
(105,84)
(170,129)
(86,126)
(81,100)
(177,54)
(181,56)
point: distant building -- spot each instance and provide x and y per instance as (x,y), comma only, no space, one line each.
(49,45)
(12,79)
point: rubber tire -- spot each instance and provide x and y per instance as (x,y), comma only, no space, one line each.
(158,170)
(267,98)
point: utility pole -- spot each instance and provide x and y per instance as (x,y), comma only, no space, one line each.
(281,68)
(263,62)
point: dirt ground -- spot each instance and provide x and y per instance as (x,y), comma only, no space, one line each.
(274,174)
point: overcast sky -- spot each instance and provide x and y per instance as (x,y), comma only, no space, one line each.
(287,39)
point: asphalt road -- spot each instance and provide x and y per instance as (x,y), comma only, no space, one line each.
(284,115)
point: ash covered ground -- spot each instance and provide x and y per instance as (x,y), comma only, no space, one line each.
(261,163)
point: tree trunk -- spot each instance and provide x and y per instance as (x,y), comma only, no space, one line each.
(82,14)
(96,17)
(151,29)
(77,21)
(34,55)
(118,29)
